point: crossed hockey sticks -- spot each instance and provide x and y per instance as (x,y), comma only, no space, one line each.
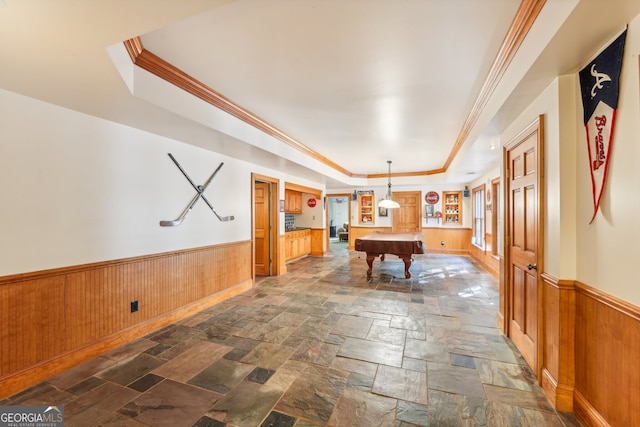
(200,194)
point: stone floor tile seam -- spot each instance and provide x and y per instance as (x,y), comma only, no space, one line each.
(314,285)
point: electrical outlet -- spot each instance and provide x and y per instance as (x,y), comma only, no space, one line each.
(134,306)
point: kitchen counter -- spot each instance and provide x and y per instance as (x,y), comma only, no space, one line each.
(297,229)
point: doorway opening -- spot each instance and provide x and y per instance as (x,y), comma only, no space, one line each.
(338,214)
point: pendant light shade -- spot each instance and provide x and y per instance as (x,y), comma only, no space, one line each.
(388,201)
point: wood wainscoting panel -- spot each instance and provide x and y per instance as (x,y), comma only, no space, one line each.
(607,385)
(504,297)
(233,265)
(318,241)
(282,247)
(55,319)
(558,352)
(486,259)
(488,243)
(31,315)
(456,240)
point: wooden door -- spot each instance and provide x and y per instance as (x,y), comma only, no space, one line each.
(523,170)
(407,218)
(262,242)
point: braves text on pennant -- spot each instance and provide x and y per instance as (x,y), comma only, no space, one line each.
(601,122)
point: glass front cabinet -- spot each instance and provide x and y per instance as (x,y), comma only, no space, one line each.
(452,207)
(366,208)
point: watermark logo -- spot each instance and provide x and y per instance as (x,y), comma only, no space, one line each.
(31,416)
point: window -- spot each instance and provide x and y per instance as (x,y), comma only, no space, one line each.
(478,217)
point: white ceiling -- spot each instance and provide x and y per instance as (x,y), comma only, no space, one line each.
(358,82)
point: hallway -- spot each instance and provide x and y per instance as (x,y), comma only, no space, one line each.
(320,345)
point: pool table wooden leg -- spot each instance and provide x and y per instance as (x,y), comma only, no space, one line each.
(370,259)
(405,259)
(407,264)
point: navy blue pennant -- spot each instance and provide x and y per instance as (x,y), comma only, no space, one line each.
(599,80)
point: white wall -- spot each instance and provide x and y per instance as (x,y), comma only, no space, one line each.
(607,248)
(311,216)
(547,105)
(602,254)
(77,189)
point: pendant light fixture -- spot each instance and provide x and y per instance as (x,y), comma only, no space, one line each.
(388,202)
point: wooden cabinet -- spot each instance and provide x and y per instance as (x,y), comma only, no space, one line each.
(306,243)
(292,201)
(452,207)
(297,244)
(366,208)
(291,248)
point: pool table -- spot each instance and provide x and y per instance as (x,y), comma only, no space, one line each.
(403,245)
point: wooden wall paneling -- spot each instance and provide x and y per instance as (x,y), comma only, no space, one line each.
(30,316)
(148,283)
(551,346)
(177,289)
(187,285)
(486,259)
(607,372)
(99,301)
(207,273)
(558,352)
(504,297)
(52,320)
(488,241)
(566,375)
(244,269)
(201,274)
(233,264)
(282,268)
(318,241)
(456,240)
(46,308)
(86,306)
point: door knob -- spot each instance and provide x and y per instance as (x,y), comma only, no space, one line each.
(532,267)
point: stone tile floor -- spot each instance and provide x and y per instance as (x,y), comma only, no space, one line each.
(320,345)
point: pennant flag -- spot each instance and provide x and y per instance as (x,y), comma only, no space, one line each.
(599,85)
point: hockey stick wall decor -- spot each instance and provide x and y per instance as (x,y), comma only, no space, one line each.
(200,194)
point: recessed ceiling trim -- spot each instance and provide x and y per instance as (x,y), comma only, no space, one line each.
(164,70)
(522,22)
(399,174)
(520,26)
